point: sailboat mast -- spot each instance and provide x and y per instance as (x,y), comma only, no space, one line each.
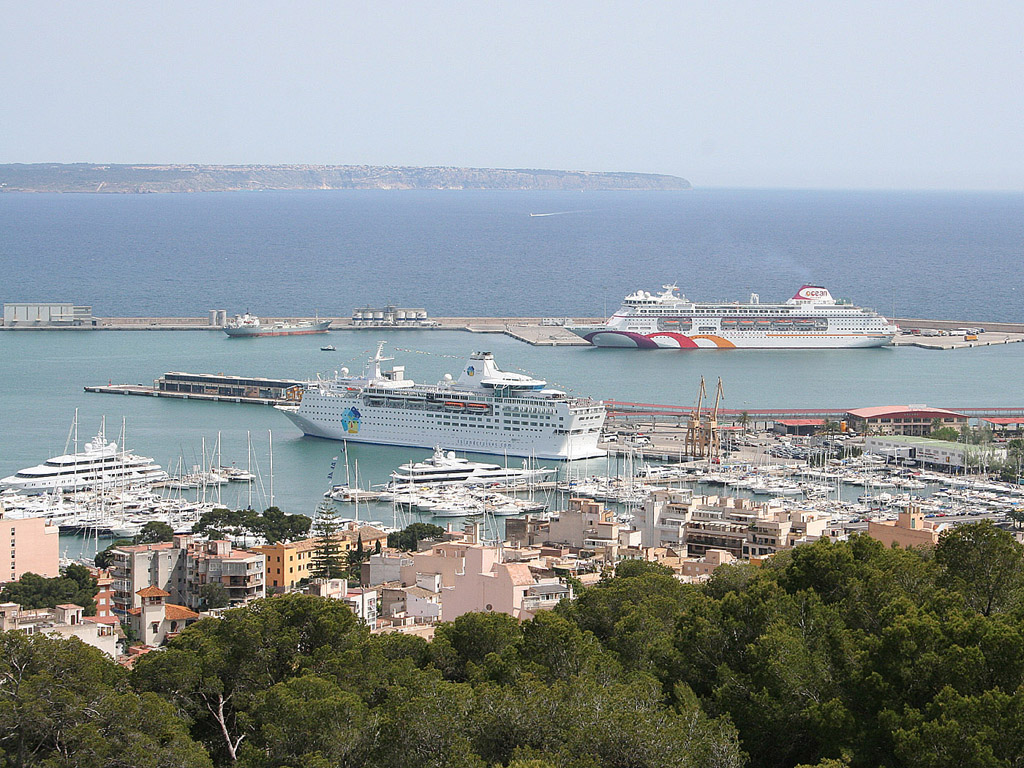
(248,463)
(270,434)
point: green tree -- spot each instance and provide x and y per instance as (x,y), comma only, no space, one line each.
(217,669)
(213,595)
(75,585)
(945,433)
(409,538)
(105,558)
(984,564)
(308,721)
(155,531)
(275,526)
(354,560)
(328,559)
(63,703)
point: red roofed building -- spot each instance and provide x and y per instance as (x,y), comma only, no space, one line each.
(155,620)
(917,420)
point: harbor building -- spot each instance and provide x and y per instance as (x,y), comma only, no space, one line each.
(34,548)
(903,419)
(43,315)
(940,454)
(221,386)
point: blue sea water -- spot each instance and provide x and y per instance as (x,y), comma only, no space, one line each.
(938,255)
(922,254)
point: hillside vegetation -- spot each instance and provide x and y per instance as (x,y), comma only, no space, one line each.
(86,177)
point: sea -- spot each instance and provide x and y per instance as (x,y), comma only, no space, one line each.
(477,253)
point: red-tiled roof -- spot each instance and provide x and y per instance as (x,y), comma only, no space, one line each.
(152,591)
(174,612)
(801,422)
(1004,420)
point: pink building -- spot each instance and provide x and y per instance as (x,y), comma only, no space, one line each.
(33,548)
(910,529)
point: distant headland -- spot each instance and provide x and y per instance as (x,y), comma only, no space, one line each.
(138,179)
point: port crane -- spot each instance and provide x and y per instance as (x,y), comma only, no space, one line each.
(703,439)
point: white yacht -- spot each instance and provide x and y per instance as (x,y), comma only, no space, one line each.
(99,465)
(486,410)
(445,468)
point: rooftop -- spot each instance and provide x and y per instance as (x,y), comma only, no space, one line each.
(890,411)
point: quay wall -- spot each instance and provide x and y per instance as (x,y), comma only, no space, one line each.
(446,323)
(952,325)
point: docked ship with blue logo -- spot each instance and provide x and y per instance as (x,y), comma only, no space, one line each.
(485,410)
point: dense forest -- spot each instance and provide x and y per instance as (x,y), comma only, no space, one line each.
(832,654)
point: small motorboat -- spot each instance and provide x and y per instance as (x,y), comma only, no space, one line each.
(329,348)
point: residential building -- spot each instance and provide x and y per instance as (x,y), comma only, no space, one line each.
(467,575)
(744,528)
(362,602)
(155,621)
(34,547)
(63,621)
(383,568)
(909,529)
(699,569)
(288,563)
(182,567)
(241,572)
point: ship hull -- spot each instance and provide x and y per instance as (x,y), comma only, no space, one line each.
(245,333)
(604,336)
(556,447)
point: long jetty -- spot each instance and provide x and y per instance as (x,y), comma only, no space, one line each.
(548,332)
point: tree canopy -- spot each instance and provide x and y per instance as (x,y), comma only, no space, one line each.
(75,585)
(832,655)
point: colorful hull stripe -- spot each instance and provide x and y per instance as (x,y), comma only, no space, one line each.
(648,342)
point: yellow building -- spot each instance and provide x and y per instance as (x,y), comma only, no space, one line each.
(290,563)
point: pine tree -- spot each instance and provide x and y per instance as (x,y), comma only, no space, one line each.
(328,561)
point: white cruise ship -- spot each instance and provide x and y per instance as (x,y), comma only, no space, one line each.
(445,468)
(486,410)
(99,465)
(811,319)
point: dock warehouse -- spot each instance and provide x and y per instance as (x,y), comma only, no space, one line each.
(903,419)
(38,315)
(933,453)
(229,386)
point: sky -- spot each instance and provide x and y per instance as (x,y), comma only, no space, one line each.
(872,95)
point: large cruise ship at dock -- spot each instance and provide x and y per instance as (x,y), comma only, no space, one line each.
(486,410)
(810,319)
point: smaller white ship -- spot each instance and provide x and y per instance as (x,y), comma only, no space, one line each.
(99,465)
(445,468)
(250,326)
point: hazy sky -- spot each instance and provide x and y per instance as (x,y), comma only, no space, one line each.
(768,93)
